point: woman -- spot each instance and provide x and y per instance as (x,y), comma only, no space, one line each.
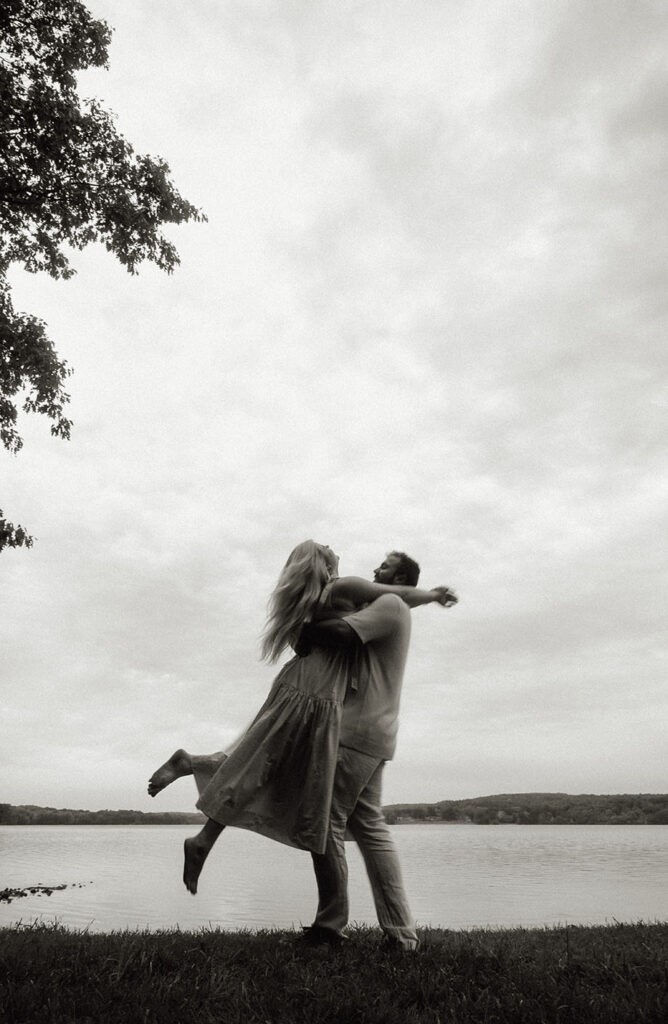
(277,777)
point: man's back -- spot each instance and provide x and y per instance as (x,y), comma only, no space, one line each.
(371,714)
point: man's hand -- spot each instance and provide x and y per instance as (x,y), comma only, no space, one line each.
(445,596)
(303,647)
(334,634)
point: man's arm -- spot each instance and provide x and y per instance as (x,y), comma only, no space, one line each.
(330,633)
(360,592)
(373,622)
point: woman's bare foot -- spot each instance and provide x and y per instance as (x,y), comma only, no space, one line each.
(195,853)
(176,767)
(196,850)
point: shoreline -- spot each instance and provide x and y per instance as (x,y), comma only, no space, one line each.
(390,822)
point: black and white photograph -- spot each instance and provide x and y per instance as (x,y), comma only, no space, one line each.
(333,511)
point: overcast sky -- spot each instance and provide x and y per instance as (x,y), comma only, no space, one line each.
(427,312)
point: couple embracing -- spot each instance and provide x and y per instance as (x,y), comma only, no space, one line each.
(309,767)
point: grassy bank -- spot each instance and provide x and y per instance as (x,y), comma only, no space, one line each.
(611,974)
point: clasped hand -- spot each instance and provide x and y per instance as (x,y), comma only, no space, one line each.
(445,596)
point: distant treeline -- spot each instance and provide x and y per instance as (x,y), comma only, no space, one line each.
(505,809)
(27,814)
(539,809)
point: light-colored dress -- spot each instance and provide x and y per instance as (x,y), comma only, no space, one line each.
(277,777)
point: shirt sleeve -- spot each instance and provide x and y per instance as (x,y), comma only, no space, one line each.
(377,620)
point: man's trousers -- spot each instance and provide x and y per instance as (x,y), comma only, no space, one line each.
(357,806)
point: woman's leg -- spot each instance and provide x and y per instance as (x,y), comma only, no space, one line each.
(202,766)
(178,765)
(196,850)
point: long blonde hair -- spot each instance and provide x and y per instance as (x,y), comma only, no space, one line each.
(297,592)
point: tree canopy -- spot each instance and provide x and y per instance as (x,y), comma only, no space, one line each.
(67,178)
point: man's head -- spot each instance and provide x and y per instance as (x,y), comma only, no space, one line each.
(397,569)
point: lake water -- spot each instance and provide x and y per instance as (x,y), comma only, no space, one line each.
(457,876)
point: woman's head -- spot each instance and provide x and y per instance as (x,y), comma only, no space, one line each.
(308,568)
(312,558)
(332,560)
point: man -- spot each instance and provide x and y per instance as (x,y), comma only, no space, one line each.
(368,739)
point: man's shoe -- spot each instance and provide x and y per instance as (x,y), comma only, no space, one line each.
(316,937)
(390,944)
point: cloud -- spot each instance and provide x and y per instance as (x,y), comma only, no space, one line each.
(426,313)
